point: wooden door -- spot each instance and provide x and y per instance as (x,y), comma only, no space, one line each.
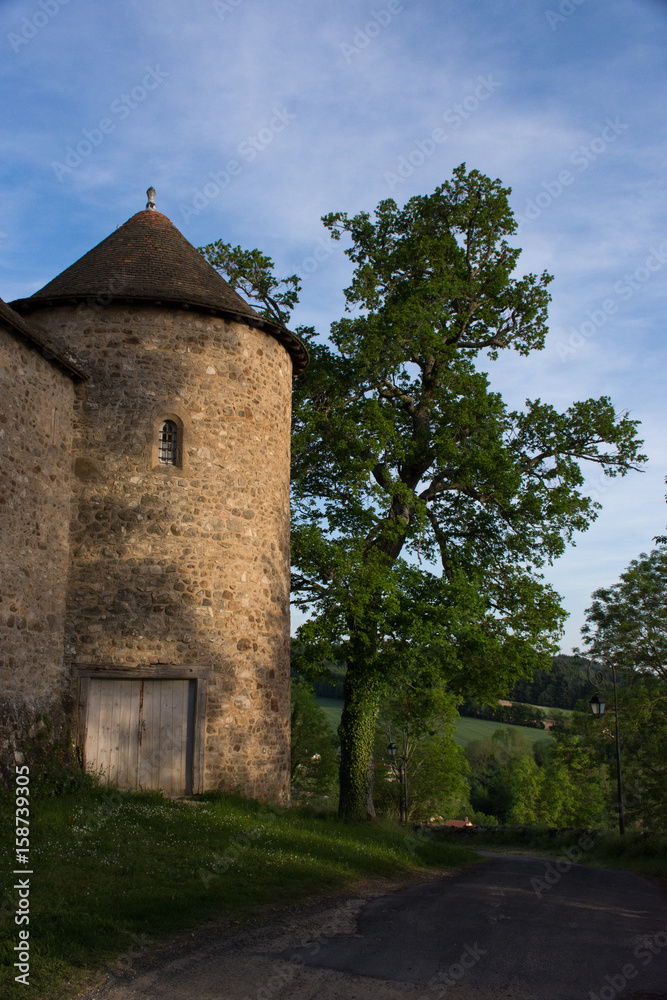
(140,733)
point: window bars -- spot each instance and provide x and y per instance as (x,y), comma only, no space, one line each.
(168,443)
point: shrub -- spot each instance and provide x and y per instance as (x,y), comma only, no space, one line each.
(44,742)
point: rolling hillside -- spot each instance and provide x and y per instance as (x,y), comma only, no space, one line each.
(467,730)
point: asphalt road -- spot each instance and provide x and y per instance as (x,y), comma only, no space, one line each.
(516,923)
(514,928)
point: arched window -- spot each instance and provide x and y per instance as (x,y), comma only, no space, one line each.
(168,443)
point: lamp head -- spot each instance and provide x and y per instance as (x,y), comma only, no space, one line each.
(597,704)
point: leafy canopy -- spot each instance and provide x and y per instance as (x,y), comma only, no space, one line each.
(627,622)
(251,271)
(402,450)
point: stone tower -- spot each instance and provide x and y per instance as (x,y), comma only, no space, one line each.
(177,606)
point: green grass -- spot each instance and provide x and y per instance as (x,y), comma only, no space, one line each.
(646,855)
(114,871)
(332,708)
(467,730)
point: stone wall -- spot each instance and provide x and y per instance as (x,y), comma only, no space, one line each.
(36,399)
(190,564)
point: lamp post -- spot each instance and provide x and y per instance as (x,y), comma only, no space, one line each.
(597,707)
(391,750)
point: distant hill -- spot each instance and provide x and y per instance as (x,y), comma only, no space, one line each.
(560,687)
(467,730)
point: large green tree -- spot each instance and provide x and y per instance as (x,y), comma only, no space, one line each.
(403,452)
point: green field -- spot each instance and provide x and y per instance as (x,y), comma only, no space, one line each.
(467,730)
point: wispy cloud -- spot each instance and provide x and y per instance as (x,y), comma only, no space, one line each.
(358,117)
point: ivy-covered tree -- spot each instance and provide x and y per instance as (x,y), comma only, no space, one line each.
(403,452)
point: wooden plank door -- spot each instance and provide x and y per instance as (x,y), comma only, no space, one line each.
(112,734)
(140,733)
(166,730)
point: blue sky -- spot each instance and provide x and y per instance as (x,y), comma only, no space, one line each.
(253,118)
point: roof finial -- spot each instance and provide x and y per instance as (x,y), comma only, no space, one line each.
(151,199)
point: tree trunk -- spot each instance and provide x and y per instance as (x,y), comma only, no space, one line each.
(357,741)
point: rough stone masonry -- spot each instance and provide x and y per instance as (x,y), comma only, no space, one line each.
(180,564)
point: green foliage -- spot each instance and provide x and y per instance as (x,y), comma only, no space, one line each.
(642,711)
(516,714)
(402,452)
(571,789)
(494,764)
(643,719)
(564,783)
(252,273)
(314,767)
(627,623)
(422,722)
(626,626)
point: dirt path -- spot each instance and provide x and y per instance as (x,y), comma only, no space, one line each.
(249,964)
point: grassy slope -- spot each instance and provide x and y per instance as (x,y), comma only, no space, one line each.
(600,848)
(467,730)
(114,871)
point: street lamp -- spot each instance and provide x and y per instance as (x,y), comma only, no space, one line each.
(597,704)
(391,750)
(597,707)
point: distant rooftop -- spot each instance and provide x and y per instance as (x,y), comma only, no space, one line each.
(40,342)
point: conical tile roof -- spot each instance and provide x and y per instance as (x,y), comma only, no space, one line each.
(147,259)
